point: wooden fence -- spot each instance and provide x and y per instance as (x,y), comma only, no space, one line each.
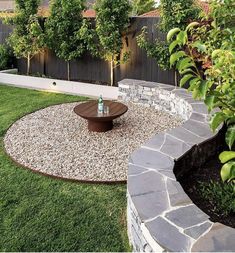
(96,70)
(5,30)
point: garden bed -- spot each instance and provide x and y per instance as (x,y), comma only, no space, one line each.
(196,184)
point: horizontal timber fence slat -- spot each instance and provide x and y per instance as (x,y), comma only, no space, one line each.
(91,69)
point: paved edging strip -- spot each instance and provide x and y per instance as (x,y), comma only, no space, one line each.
(161,217)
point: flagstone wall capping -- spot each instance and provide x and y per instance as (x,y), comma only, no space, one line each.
(161,217)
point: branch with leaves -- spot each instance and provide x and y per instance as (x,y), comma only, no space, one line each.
(173,13)
(207,63)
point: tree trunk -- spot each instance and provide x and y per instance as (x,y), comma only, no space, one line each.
(112,72)
(68,70)
(44,62)
(28,64)
(176,79)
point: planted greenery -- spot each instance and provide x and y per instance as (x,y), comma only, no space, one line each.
(112,20)
(173,13)
(67,31)
(158,50)
(205,58)
(5,57)
(177,13)
(221,195)
(27,38)
(140,7)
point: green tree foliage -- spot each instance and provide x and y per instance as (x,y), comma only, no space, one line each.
(205,58)
(177,13)
(6,57)
(27,38)
(112,19)
(142,6)
(66,30)
(172,12)
(159,50)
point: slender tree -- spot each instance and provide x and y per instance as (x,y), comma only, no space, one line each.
(142,6)
(112,19)
(27,38)
(65,29)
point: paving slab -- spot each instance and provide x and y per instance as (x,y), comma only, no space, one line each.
(196,231)
(174,147)
(168,174)
(200,129)
(156,142)
(151,205)
(148,182)
(219,239)
(135,170)
(151,159)
(188,216)
(176,194)
(199,117)
(185,136)
(168,236)
(200,108)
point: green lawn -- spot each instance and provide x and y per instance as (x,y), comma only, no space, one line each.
(42,214)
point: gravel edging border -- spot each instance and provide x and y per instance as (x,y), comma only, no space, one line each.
(62,178)
(161,217)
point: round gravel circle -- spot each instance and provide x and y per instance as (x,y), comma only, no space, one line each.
(55,141)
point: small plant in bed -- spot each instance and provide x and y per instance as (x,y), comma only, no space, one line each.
(219,195)
(206,189)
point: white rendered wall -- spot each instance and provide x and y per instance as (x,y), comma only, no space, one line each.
(60,86)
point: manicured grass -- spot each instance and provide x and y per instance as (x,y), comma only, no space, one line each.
(42,214)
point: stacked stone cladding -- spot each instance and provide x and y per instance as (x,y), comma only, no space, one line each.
(161,217)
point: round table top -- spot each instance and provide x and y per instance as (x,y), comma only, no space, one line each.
(89,110)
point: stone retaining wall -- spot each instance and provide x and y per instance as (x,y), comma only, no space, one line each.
(161,217)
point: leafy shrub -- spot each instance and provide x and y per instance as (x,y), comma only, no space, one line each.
(221,195)
(5,57)
(173,13)
(177,13)
(140,7)
(158,50)
(205,58)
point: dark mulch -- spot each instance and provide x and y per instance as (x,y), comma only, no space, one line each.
(209,171)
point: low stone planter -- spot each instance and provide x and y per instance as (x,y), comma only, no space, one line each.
(161,217)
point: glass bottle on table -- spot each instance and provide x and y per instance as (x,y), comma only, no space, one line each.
(100,104)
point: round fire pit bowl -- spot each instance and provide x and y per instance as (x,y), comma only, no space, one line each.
(100,122)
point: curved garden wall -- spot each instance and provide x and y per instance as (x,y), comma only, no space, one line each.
(161,217)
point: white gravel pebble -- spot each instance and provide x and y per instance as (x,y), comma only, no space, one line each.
(56,141)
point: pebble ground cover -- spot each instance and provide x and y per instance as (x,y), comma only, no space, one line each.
(56,141)
(42,214)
